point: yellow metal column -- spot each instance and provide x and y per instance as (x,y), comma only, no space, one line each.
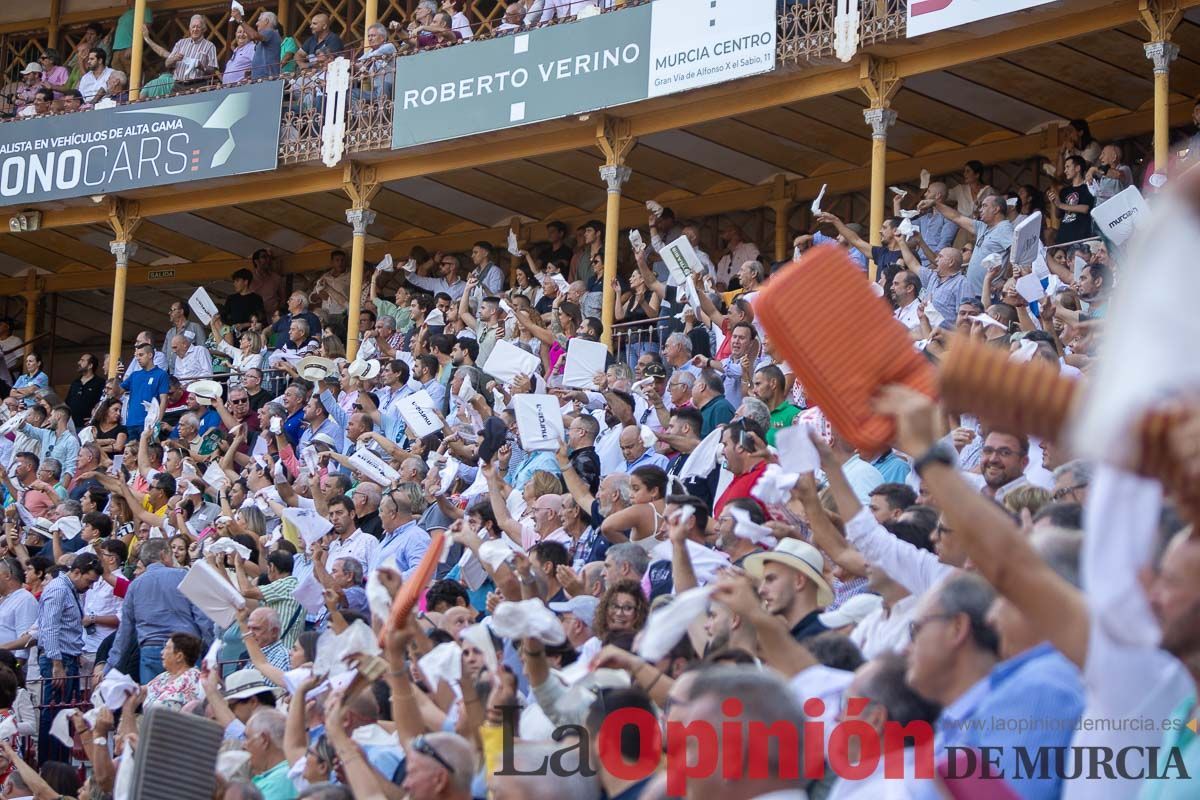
(361,185)
(135,56)
(879,83)
(31,294)
(124,219)
(615,140)
(1160,17)
(370,17)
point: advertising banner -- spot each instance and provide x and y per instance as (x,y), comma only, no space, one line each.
(927,16)
(158,142)
(652,50)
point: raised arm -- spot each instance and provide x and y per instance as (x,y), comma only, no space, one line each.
(852,238)
(950,213)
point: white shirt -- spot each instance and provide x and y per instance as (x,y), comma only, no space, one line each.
(564,8)
(908,315)
(908,565)
(461,25)
(195,363)
(89,84)
(100,602)
(883,630)
(18,613)
(829,685)
(1126,673)
(14,358)
(730,263)
(360,546)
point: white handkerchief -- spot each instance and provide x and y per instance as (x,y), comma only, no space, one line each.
(310,594)
(906,228)
(925,177)
(378,598)
(514,246)
(417,411)
(935,317)
(293,679)
(896,190)
(494,551)
(212,657)
(87,435)
(214,476)
(668,624)
(746,529)
(442,663)
(1050,169)
(1024,352)
(816,203)
(480,637)
(332,648)
(527,619)
(992,260)
(701,461)
(636,240)
(774,486)
(447,474)
(410,265)
(705,561)
(1030,287)
(308,523)
(116,688)
(60,728)
(988,321)
(654,208)
(8,728)
(225,545)
(797,453)
(200,303)
(236,6)
(386,264)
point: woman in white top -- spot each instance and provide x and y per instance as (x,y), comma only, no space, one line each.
(249,354)
(645,518)
(967,194)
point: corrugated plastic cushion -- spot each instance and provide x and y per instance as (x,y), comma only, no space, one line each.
(842,342)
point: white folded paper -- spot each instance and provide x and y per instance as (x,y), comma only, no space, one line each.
(636,240)
(506,361)
(417,411)
(293,679)
(654,208)
(202,306)
(539,421)
(797,453)
(585,360)
(935,317)
(1027,239)
(816,203)
(310,594)
(378,598)
(153,412)
(527,619)
(60,728)
(1118,216)
(214,476)
(13,422)
(667,625)
(988,321)
(308,523)
(212,593)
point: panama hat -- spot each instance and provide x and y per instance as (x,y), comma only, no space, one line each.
(246,683)
(363,370)
(315,368)
(800,556)
(206,392)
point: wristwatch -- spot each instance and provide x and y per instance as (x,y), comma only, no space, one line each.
(939,453)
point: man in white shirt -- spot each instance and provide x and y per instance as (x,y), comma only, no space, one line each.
(331,292)
(350,541)
(906,287)
(565,8)
(94,83)
(10,344)
(448,282)
(18,608)
(737,252)
(191,360)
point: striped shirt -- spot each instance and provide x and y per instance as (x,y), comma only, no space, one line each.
(280,596)
(199,58)
(60,620)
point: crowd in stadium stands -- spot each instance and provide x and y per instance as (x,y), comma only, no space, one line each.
(220,527)
(97,73)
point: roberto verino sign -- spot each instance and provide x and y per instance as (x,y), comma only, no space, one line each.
(652,50)
(204,135)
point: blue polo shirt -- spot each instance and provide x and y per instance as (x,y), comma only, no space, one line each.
(143,386)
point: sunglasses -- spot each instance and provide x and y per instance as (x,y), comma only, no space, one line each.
(422,746)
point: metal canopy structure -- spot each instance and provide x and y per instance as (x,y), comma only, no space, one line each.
(996,91)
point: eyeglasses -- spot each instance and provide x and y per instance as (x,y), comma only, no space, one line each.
(422,746)
(625,609)
(1003,452)
(1066,490)
(916,625)
(239,399)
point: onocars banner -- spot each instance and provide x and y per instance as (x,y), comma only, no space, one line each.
(636,53)
(153,143)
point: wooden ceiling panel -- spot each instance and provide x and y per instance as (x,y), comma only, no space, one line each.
(932,112)
(298,218)
(1125,51)
(412,212)
(178,244)
(790,155)
(568,190)
(1054,97)
(20,247)
(839,145)
(585,164)
(70,247)
(520,196)
(1082,71)
(259,231)
(677,172)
